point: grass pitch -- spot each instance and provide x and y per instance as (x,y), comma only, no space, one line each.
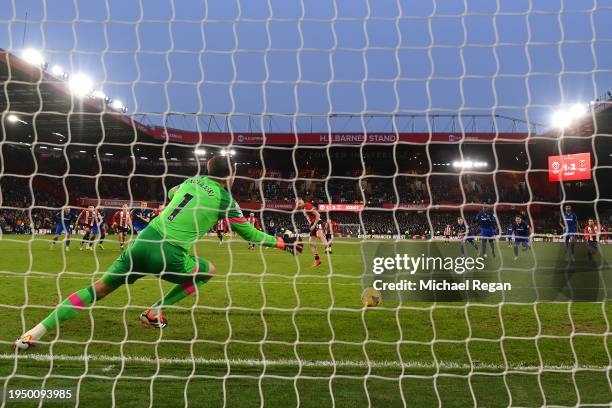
(268,330)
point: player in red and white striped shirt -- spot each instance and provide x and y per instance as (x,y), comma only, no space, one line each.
(220,230)
(591,236)
(122,220)
(448,232)
(316,229)
(87,219)
(255,222)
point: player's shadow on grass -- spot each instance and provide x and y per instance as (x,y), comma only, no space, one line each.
(581,280)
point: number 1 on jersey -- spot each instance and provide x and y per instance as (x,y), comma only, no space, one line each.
(186,199)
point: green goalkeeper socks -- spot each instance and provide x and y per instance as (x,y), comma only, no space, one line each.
(85,297)
(69,307)
(177,293)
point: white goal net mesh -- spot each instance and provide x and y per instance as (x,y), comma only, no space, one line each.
(395,119)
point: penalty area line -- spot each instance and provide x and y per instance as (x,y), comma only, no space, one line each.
(445,365)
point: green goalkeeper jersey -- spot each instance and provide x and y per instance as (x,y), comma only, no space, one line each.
(195,206)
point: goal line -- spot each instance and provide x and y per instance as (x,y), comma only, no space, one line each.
(412,364)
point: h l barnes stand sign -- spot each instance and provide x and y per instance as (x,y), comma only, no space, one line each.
(335,138)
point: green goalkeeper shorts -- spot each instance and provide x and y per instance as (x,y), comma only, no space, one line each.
(149,254)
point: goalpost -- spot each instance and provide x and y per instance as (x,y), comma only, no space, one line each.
(422,112)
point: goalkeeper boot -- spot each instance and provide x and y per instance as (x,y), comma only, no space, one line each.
(316,263)
(24,342)
(153,322)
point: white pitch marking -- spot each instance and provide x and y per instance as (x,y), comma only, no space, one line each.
(304,363)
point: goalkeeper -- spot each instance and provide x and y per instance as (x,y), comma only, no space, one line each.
(162,249)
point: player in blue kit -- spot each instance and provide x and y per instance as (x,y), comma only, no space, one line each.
(64,220)
(141,217)
(521,232)
(98,231)
(570,226)
(488,224)
(464,235)
(509,234)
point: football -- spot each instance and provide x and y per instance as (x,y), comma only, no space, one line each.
(371,297)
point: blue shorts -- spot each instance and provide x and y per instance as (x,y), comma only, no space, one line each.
(97,228)
(487,232)
(521,240)
(60,228)
(139,227)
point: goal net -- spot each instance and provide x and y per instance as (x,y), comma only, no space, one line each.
(444,164)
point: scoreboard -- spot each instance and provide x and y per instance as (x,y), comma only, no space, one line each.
(569,167)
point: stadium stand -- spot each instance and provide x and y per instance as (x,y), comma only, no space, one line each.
(100,153)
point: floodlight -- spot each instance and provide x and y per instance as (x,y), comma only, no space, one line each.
(58,71)
(98,94)
(33,57)
(81,84)
(12,118)
(577,110)
(561,119)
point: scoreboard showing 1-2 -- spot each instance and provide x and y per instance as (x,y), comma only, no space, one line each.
(569,167)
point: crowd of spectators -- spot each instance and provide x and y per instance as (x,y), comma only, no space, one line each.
(413,223)
(378,192)
(28,202)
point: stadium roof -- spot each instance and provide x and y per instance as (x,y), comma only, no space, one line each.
(598,120)
(35,97)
